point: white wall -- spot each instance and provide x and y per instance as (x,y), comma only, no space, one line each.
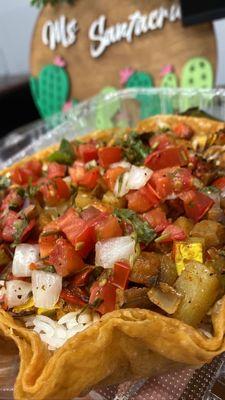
(17,19)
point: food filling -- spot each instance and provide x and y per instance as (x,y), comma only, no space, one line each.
(131,219)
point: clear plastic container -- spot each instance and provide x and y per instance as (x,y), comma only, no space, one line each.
(121,109)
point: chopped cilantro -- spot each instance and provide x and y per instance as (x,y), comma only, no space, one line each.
(49,268)
(65,154)
(134,149)
(20,225)
(145,233)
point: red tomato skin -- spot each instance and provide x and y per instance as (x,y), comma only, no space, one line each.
(28,230)
(77,231)
(169,157)
(121,273)
(77,172)
(81,278)
(8,229)
(90,178)
(109,155)
(111,176)
(54,191)
(31,170)
(157,219)
(90,213)
(183,131)
(108,228)
(219,183)
(196,204)
(171,180)
(107,293)
(56,170)
(151,194)
(87,152)
(46,244)
(161,142)
(173,232)
(138,201)
(12,198)
(65,259)
(74,295)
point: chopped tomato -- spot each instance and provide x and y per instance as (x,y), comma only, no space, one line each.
(90,213)
(107,228)
(8,229)
(46,244)
(65,259)
(157,219)
(90,178)
(87,152)
(219,183)
(74,295)
(161,142)
(169,157)
(138,201)
(111,176)
(27,230)
(77,172)
(183,131)
(31,170)
(171,180)
(12,201)
(77,231)
(82,277)
(170,233)
(121,272)
(103,298)
(196,204)
(151,194)
(109,155)
(56,170)
(54,191)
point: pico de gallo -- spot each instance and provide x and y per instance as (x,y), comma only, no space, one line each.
(111,222)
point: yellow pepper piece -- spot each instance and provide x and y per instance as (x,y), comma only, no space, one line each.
(25,306)
(47,311)
(186,251)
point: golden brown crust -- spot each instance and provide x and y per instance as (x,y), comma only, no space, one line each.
(125,344)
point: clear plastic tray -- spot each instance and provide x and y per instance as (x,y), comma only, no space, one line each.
(121,109)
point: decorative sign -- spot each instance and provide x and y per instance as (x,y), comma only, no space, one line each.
(119,43)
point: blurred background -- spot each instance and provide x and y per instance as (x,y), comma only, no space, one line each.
(17,21)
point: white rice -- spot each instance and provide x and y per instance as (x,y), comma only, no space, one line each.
(56,333)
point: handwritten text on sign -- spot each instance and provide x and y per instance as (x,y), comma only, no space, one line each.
(65,33)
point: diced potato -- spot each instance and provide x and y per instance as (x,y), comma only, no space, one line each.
(83,199)
(168,271)
(165,297)
(145,268)
(213,232)
(184,223)
(133,298)
(110,198)
(199,286)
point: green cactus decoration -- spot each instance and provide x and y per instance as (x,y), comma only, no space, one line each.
(50,90)
(105,112)
(139,79)
(197,73)
(169,80)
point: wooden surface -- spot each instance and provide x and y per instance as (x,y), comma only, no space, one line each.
(150,52)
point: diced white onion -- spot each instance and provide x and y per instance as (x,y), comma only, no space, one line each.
(134,179)
(17,292)
(138,177)
(107,252)
(46,288)
(24,255)
(121,187)
(123,164)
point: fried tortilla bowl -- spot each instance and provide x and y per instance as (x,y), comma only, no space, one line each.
(124,344)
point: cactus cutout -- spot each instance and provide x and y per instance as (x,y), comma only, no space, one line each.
(169,80)
(197,73)
(139,79)
(50,90)
(105,112)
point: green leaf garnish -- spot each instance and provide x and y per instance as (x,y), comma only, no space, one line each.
(145,233)
(65,154)
(49,268)
(134,149)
